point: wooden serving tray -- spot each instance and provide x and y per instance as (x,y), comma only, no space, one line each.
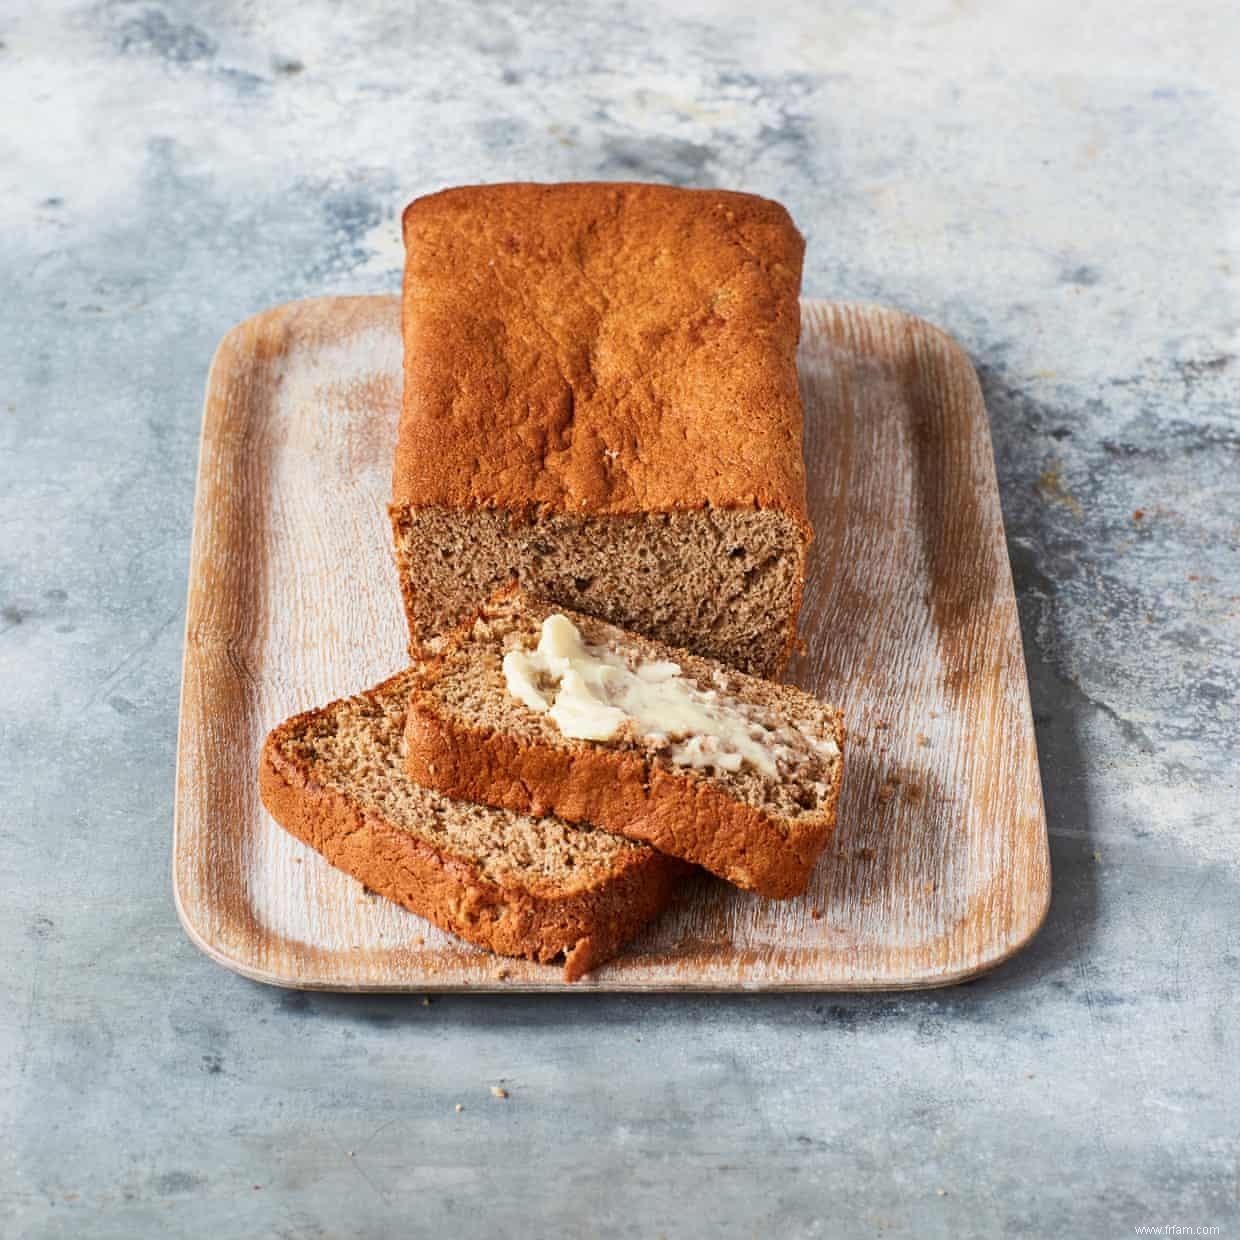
(939,868)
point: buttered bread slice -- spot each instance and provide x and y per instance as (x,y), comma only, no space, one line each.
(544,710)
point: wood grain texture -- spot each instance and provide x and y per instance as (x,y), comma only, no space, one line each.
(939,868)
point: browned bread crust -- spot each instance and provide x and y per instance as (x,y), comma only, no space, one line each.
(618,789)
(601,348)
(586,923)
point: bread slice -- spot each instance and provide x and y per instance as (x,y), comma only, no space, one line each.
(601,400)
(521,886)
(469,736)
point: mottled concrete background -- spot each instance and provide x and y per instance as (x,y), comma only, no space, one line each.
(1058,186)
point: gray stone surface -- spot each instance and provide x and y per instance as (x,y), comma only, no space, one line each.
(1058,186)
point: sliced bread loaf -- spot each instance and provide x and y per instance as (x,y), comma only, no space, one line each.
(521,886)
(546,711)
(601,400)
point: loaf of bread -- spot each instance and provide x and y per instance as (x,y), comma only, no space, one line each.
(601,400)
(521,886)
(736,774)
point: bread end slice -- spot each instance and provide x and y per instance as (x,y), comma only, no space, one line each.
(467,736)
(520,886)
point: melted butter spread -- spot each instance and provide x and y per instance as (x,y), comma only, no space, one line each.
(591,692)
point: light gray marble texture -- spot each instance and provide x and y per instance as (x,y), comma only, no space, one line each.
(1058,185)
